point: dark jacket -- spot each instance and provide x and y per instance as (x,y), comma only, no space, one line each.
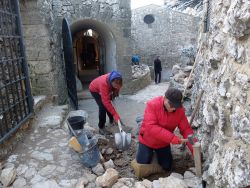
(157,65)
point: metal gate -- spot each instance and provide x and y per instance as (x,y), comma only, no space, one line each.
(207,19)
(69,67)
(16,103)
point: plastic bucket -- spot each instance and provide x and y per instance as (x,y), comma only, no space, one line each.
(76,122)
(91,156)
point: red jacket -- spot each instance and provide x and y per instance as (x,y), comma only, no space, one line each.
(158,124)
(102,86)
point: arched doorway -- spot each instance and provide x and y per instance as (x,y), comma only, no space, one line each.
(94,49)
(88,49)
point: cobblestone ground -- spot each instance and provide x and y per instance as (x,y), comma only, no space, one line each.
(44,156)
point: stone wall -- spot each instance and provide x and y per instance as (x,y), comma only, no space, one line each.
(141,77)
(223,71)
(37,42)
(170,36)
(42,21)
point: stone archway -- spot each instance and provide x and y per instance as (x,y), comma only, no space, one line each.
(94,49)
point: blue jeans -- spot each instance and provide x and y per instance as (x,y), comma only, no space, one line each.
(164,156)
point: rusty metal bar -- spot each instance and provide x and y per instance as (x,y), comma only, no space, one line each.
(15,95)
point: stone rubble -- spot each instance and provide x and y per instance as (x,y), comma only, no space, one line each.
(139,71)
(109,164)
(98,169)
(182,80)
(180,77)
(108,178)
(8,175)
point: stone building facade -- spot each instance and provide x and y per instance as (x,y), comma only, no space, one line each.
(157,30)
(42,23)
(171,35)
(223,72)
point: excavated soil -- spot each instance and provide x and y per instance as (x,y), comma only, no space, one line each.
(122,159)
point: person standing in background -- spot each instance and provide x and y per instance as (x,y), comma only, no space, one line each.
(135,60)
(157,69)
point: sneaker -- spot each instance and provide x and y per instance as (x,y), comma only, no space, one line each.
(104,131)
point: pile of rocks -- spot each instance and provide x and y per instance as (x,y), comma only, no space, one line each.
(103,175)
(180,78)
(139,71)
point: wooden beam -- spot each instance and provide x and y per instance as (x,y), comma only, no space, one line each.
(197,159)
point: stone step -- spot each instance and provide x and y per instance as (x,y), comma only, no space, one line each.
(39,102)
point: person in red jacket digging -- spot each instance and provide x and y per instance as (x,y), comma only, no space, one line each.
(161,116)
(104,89)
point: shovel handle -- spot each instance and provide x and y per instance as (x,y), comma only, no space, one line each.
(119,122)
(73,132)
(184,140)
(120,125)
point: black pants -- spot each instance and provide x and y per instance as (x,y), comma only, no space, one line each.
(164,156)
(158,74)
(102,111)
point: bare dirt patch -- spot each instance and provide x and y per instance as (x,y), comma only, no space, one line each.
(122,159)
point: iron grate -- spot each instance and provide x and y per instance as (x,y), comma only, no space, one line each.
(16,103)
(208,17)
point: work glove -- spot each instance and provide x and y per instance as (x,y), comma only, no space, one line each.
(176,140)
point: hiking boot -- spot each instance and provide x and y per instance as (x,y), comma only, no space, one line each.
(104,132)
(144,170)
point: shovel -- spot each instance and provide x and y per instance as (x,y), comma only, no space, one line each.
(122,139)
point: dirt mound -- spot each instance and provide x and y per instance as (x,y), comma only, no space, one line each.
(122,159)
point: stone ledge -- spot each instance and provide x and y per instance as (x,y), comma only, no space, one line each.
(137,84)
(39,102)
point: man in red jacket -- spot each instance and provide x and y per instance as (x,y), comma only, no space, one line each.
(161,116)
(104,89)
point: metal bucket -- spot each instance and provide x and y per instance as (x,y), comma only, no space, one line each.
(91,156)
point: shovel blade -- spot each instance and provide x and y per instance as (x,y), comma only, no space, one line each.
(123,141)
